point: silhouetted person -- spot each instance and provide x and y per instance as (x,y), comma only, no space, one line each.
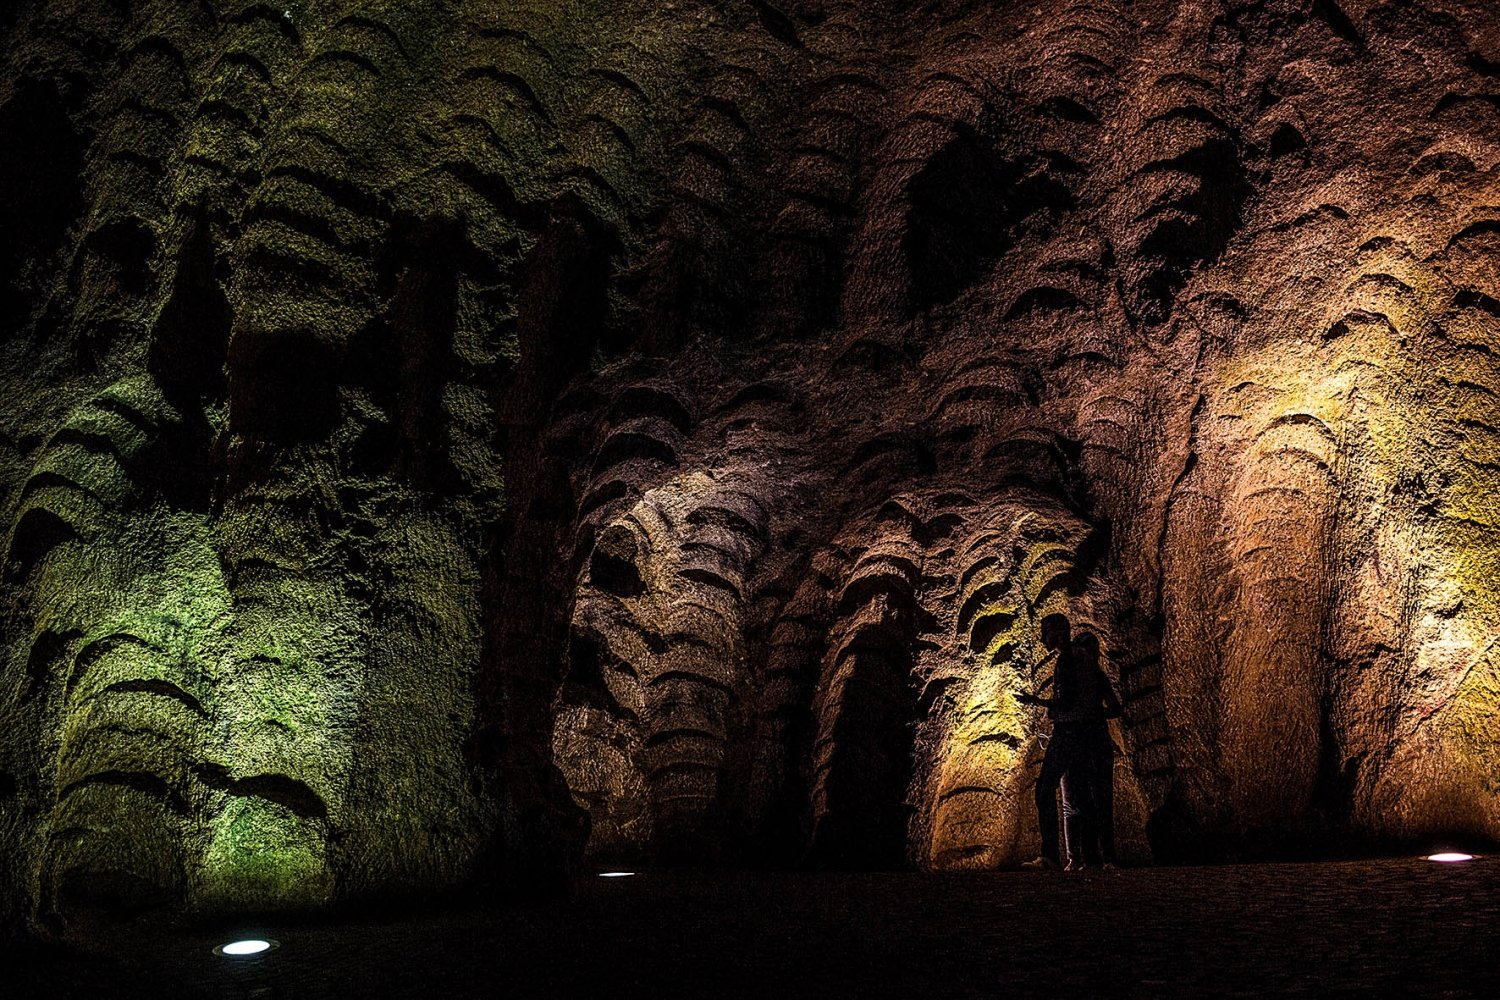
(1080,755)
(1092,834)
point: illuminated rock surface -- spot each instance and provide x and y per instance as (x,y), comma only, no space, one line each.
(443,437)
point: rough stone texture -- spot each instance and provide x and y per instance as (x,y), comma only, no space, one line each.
(821,348)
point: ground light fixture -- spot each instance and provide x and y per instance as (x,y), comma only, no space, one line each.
(616,874)
(1449,857)
(245,948)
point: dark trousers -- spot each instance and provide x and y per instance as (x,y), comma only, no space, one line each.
(1080,761)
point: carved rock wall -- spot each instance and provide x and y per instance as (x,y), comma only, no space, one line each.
(444,437)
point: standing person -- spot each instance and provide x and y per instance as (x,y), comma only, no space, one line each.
(1080,755)
(1097,704)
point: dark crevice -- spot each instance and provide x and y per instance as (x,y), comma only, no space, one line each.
(37,533)
(722,517)
(90,652)
(151,785)
(289,793)
(159,688)
(969,205)
(515,82)
(407,359)
(1286,140)
(1331,14)
(370,24)
(127,247)
(44,660)
(687,676)
(626,446)
(584,683)
(40,197)
(612,566)
(709,578)
(1203,219)
(777,24)
(38,482)
(1045,299)
(343,57)
(864,823)
(987,627)
(344,193)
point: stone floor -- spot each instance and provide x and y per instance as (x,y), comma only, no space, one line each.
(1368,928)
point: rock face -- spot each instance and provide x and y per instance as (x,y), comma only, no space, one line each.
(442,437)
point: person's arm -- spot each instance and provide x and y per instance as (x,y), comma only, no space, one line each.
(1027,698)
(1060,702)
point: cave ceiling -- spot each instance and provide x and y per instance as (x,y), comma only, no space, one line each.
(442,440)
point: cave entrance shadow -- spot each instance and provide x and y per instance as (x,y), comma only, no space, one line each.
(864,820)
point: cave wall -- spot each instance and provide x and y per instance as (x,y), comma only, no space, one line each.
(446,439)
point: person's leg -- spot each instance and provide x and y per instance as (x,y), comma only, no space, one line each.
(1090,805)
(1072,755)
(1102,795)
(1076,824)
(1046,800)
(1080,783)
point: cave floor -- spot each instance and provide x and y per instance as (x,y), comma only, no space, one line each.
(1392,927)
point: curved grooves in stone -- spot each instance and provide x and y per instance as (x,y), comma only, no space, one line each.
(674,566)
(79,476)
(151,785)
(865,336)
(293,795)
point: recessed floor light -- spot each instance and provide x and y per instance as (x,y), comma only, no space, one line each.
(240,949)
(615,874)
(1450,856)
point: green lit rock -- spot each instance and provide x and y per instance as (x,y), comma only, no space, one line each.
(262,855)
